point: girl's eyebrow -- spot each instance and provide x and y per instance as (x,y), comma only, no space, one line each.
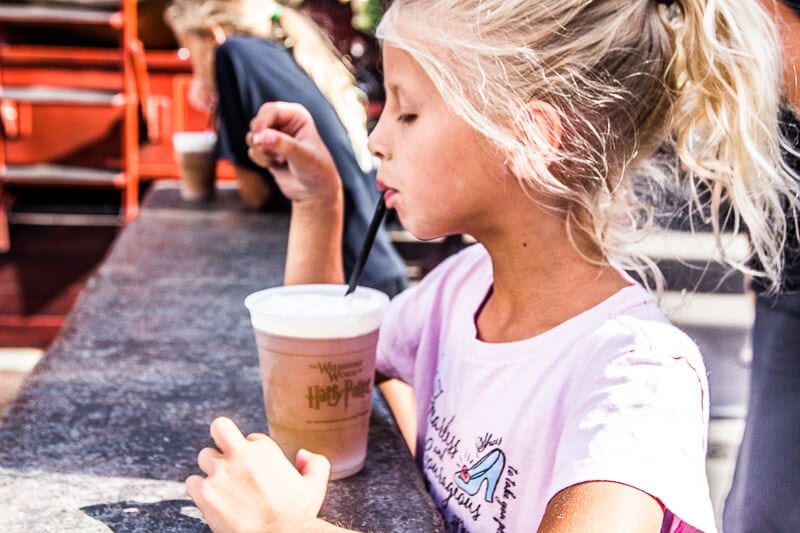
(399,92)
(395,93)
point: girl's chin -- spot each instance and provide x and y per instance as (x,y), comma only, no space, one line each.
(423,234)
(420,226)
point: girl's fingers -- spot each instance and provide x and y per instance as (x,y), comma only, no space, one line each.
(280,147)
(194,486)
(265,137)
(313,466)
(259,157)
(226,435)
(316,469)
(276,142)
(208,459)
(260,147)
(271,148)
(284,116)
(257,436)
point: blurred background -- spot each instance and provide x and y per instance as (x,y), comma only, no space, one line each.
(90,94)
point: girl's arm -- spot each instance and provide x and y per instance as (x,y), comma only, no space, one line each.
(284,139)
(249,485)
(602,506)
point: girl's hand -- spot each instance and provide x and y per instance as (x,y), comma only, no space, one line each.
(284,139)
(250,486)
(202,95)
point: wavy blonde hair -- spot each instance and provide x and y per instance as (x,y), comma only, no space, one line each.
(311,48)
(652,99)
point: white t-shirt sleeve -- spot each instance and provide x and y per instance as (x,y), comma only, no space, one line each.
(415,316)
(639,417)
(399,337)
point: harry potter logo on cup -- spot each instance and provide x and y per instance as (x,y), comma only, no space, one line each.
(334,371)
(331,395)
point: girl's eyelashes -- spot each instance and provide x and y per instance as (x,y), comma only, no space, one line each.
(406,118)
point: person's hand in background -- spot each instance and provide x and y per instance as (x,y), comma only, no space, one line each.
(202,95)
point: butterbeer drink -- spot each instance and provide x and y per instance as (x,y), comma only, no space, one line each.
(316,350)
(194,151)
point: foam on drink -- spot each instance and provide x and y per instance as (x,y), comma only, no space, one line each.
(194,141)
(304,311)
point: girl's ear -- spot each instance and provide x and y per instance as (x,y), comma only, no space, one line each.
(218,33)
(546,140)
(546,119)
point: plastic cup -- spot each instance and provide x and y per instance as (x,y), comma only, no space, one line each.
(194,151)
(316,352)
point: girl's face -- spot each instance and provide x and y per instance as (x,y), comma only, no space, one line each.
(440,174)
(201,52)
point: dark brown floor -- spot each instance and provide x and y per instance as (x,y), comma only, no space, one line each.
(41,276)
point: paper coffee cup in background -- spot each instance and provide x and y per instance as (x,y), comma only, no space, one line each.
(194,151)
(316,351)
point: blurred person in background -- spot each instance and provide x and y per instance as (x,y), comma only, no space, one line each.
(248,52)
(765,493)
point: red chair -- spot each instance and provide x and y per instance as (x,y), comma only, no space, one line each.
(57,101)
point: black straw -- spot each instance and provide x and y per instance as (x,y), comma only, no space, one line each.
(377,218)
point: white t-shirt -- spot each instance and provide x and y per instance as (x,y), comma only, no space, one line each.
(616,393)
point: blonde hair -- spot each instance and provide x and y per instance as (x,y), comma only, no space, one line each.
(652,99)
(311,48)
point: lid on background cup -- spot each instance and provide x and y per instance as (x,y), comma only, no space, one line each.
(316,311)
(194,141)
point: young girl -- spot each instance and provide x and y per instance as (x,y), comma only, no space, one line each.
(537,362)
(247,52)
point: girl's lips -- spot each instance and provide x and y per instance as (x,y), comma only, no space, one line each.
(388,194)
(386,191)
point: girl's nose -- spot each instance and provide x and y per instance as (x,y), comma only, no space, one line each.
(376,141)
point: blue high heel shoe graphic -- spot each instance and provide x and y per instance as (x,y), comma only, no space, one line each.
(489,468)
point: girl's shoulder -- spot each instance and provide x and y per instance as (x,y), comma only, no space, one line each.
(635,333)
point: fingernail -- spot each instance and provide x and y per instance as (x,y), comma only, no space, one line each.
(303,454)
(264,137)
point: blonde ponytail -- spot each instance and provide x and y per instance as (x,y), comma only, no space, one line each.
(315,54)
(625,78)
(726,78)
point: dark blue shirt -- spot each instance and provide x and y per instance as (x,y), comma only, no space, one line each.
(251,71)
(790,280)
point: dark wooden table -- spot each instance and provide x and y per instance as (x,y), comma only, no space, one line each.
(110,422)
